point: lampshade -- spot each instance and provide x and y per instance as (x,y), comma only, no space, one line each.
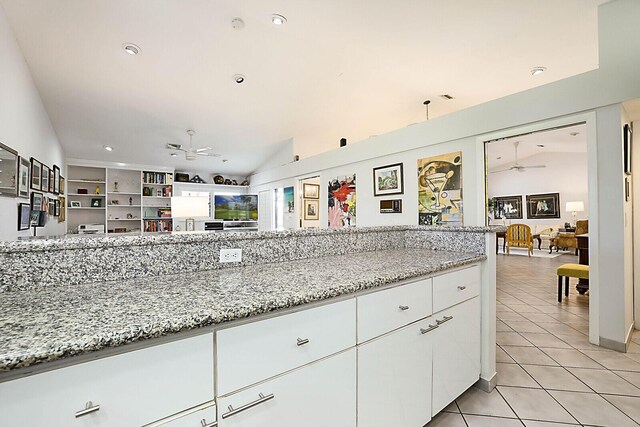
(575,207)
(189,206)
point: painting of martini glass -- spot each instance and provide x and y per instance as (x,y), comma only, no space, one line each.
(440,190)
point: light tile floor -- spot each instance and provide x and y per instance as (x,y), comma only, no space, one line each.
(548,373)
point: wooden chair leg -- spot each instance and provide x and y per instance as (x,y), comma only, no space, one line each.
(566,286)
(560,289)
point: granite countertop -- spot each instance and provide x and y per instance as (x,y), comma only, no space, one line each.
(53,323)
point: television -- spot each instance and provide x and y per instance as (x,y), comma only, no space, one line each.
(237,207)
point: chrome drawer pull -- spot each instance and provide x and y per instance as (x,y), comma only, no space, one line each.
(89,408)
(444,320)
(302,341)
(203,423)
(462,288)
(262,399)
(404,307)
(429,329)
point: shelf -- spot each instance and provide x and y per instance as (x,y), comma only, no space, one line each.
(85,195)
(156,185)
(85,181)
(124,219)
(123,193)
(125,206)
(85,208)
(157,218)
(212,183)
(156,197)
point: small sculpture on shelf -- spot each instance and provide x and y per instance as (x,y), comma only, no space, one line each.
(97,189)
(115,187)
(197,179)
(130,201)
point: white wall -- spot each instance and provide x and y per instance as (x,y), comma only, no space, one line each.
(566,173)
(24,126)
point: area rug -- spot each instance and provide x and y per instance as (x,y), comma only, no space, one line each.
(544,253)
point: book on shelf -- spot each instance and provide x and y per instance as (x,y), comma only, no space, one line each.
(157,178)
(157,192)
(155,226)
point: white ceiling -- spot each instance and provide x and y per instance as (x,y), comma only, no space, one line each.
(336,69)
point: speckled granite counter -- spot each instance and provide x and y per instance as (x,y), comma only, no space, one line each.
(56,322)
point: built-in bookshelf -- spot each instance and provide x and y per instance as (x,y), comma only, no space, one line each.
(124,207)
(86,195)
(157,189)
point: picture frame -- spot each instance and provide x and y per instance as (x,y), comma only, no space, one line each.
(51,179)
(52,207)
(44,179)
(36,201)
(388,180)
(628,137)
(62,184)
(36,171)
(62,217)
(75,204)
(310,191)
(312,209)
(57,207)
(34,219)
(543,206)
(56,180)
(24,216)
(508,207)
(8,171)
(23,178)
(96,202)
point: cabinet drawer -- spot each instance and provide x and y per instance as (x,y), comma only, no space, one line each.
(256,351)
(131,389)
(453,288)
(192,419)
(384,311)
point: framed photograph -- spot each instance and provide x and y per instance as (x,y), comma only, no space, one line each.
(36,201)
(312,209)
(44,179)
(24,216)
(56,180)
(311,191)
(75,204)
(628,136)
(52,207)
(388,180)
(61,190)
(63,207)
(96,203)
(57,207)
(36,171)
(23,178)
(51,179)
(509,207)
(34,219)
(543,206)
(8,171)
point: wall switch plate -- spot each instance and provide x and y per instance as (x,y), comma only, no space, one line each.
(230,255)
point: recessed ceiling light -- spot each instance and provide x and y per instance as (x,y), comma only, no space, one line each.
(224,160)
(446,96)
(237,23)
(121,164)
(278,19)
(541,145)
(131,48)
(108,148)
(239,78)
(174,155)
(498,158)
(538,70)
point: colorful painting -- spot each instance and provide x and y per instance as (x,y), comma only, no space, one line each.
(388,180)
(342,202)
(289,205)
(440,190)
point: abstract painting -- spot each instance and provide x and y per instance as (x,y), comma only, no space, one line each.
(440,190)
(289,205)
(509,207)
(342,202)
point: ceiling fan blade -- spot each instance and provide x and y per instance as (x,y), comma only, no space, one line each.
(198,150)
(534,166)
(208,154)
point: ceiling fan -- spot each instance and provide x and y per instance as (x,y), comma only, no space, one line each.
(191,153)
(517,166)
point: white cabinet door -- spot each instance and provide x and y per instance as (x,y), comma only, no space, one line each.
(318,395)
(456,352)
(394,378)
(203,417)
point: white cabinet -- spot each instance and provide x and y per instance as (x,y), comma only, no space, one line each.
(394,378)
(456,352)
(130,389)
(317,395)
(205,417)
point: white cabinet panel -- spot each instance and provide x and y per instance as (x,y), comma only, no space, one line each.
(383,311)
(256,351)
(132,389)
(318,395)
(455,287)
(193,419)
(394,378)
(456,352)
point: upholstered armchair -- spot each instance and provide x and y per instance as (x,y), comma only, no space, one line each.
(568,240)
(519,236)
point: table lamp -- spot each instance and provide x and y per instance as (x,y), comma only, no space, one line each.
(190,207)
(574,208)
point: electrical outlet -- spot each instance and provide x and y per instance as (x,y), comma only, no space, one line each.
(230,255)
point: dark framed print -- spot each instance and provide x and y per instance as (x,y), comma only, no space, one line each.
(388,180)
(51,179)
(62,206)
(56,180)
(36,172)
(34,218)
(44,179)
(628,137)
(96,203)
(8,171)
(57,208)
(23,178)
(312,209)
(542,206)
(36,201)
(311,191)
(52,207)
(24,216)
(61,190)
(508,207)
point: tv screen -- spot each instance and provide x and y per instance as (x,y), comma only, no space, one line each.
(236,207)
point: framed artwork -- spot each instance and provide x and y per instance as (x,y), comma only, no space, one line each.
(628,136)
(57,207)
(311,191)
(388,180)
(23,178)
(44,179)
(52,207)
(63,209)
(440,189)
(24,216)
(36,171)
(342,201)
(51,179)
(61,191)
(56,180)
(312,209)
(34,219)
(542,206)
(8,171)
(36,201)
(289,203)
(96,203)
(509,207)
(75,204)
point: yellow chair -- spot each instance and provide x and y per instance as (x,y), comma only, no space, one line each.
(519,236)
(578,271)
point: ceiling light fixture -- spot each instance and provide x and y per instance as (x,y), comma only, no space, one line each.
(131,49)
(538,70)
(541,145)
(108,148)
(446,96)
(239,78)
(426,104)
(278,19)
(174,154)
(237,24)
